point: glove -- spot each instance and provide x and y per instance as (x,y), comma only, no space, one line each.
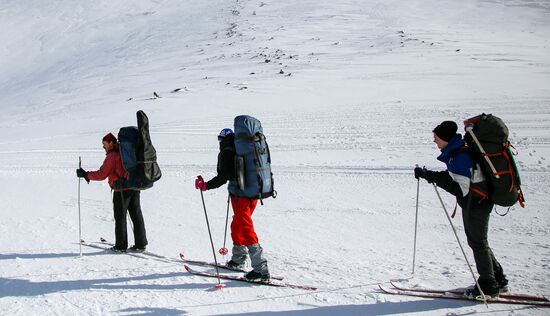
(420,172)
(424,173)
(81,173)
(200,184)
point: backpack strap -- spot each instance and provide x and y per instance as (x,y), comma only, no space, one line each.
(454,211)
(459,150)
(482,194)
(231,149)
(257,138)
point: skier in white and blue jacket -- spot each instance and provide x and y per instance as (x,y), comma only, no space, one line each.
(461,179)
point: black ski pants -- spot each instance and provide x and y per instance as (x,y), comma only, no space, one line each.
(476,225)
(128,201)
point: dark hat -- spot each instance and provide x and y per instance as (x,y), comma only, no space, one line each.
(446,130)
(110,138)
(224,133)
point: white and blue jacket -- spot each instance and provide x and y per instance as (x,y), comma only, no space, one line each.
(458,177)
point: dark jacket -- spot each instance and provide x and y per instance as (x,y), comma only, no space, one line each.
(457,179)
(226,163)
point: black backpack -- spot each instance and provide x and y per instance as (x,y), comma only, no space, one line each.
(139,157)
(487,140)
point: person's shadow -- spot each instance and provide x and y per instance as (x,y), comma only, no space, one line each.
(8,256)
(14,286)
(20,287)
(383,308)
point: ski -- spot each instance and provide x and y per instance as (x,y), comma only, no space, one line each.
(105,245)
(208,264)
(102,247)
(451,296)
(146,253)
(243,279)
(219,265)
(521,297)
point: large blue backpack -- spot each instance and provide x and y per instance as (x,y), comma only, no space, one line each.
(139,157)
(252,160)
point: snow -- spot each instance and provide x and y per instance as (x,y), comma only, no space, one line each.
(363,85)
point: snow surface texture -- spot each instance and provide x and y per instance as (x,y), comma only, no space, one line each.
(348,93)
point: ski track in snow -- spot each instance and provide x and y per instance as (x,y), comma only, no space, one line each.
(347,93)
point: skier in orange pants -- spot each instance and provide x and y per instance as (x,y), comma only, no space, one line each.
(245,240)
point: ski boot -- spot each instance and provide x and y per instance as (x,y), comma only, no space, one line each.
(135,248)
(233,265)
(117,250)
(257,276)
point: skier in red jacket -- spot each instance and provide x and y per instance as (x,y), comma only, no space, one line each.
(123,199)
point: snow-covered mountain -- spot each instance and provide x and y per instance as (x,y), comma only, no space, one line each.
(348,93)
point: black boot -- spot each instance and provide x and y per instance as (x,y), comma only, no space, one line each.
(500,278)
(502,284)
(233,265)
(489,288)
(253,275)
(135,248)
(117,250)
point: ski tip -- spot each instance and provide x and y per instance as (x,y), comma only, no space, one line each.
(102,239)
(186,267)
(182,256)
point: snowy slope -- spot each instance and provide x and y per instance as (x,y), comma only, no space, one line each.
(348,93)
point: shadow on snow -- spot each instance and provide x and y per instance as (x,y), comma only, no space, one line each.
(9,256)
(151,311)
(20,287)
(379,308)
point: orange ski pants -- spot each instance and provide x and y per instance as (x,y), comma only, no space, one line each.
(242,227)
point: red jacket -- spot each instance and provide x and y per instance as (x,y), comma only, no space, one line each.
(112,168)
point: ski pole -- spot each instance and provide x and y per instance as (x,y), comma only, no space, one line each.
(79,220)
(460,245)
(223,251)
(415,221)
(219,285)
